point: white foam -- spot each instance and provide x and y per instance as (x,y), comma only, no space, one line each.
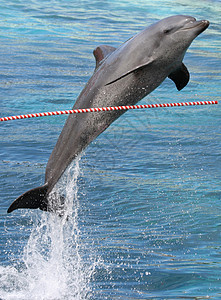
(53,260)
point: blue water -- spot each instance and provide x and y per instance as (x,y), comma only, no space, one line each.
(145,223)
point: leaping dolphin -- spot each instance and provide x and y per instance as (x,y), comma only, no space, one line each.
(122,76)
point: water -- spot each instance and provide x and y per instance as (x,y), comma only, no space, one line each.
(52,265)
(145,221)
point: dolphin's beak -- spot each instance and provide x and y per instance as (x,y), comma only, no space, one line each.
(199,26)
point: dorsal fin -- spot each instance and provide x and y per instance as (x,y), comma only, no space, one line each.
(101,52)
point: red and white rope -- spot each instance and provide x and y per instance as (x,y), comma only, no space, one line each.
(98,109)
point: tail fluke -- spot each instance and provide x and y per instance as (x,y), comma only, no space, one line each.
(35,198)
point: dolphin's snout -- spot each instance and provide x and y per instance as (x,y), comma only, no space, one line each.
(197,26)
(206,23)
(201,25)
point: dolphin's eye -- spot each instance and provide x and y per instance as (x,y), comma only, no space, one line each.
(168,30)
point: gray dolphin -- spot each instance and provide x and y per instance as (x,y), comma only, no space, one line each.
(122,76)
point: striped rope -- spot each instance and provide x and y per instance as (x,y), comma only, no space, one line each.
(98,109)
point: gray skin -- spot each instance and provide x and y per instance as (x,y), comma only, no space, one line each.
(122,76)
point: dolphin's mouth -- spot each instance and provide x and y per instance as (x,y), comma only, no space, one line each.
(199,26)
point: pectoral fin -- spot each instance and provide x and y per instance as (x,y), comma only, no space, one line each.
(180,77)
(139,67)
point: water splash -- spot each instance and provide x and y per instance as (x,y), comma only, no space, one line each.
(53,259)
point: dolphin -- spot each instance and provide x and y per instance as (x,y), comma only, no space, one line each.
(122,76)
